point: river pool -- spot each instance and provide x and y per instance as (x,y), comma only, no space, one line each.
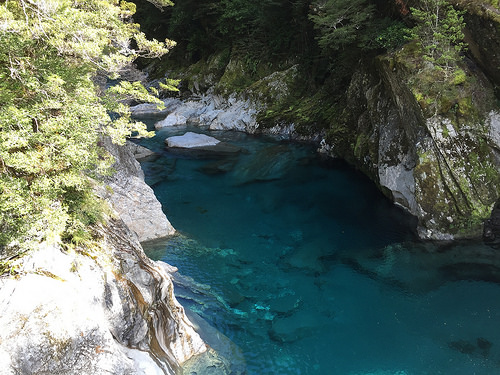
(304,267)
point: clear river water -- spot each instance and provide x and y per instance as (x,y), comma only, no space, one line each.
(303,267)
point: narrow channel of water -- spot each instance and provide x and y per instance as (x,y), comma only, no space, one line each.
(308,269)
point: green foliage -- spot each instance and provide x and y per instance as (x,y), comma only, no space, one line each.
(393,36)
(439,30)
(341,22)
(459,77)
(52,115)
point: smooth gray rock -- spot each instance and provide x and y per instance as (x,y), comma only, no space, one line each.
(191,140)
(94,311)
(134,201)
(239,115)
(139,152)
(173,119)
(201,145)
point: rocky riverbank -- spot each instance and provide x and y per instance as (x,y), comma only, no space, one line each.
(104,307)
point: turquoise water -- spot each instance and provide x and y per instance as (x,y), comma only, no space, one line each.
(307,269)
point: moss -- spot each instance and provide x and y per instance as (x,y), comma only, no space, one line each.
(458,192)
(459,77)
(465,107)
(362,146)
(453,92)
(483,8)
(8,268)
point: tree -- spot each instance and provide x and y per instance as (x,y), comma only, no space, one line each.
(341,22)
(53,115)
(439,30)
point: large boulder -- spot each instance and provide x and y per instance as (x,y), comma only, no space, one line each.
(134,201)
(201,145)
(173,119)
(191,140)
(105,308)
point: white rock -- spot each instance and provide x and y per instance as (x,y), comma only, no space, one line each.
(173,119)
(190,140)
(240,115)
(494,121)
(73,313)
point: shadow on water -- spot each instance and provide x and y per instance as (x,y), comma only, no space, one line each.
(308,269)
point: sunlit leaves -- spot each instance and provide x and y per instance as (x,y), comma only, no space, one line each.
(51,116)
(439,30)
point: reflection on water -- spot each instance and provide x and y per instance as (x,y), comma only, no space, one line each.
(307,269)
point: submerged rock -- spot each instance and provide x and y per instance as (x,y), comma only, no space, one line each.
(214,362)
(297,326)
(426,266)
(270,163)
(480,346)
(219,166)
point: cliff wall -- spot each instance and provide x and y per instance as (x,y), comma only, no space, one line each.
(429,138)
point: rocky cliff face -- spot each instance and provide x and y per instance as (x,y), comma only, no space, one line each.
(441,165)
(100,309)
(430,139)
(132,198)
(103,307)
(444,171)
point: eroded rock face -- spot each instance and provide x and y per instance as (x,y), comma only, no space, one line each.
(134,201)
(100,310)
(446,174)
(231,111)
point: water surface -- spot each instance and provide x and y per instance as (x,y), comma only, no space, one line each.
(308,269)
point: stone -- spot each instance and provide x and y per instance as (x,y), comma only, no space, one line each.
(297,326)
(139,152)
(133,200)
(173,119)
(219,166)
(285,305)
(147,109)
(308,256)
(196,111)
(268,164)
(191,140)
(224,358)
(81,312)
(239,115)
(201,145)
(494,125)
(491,231)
